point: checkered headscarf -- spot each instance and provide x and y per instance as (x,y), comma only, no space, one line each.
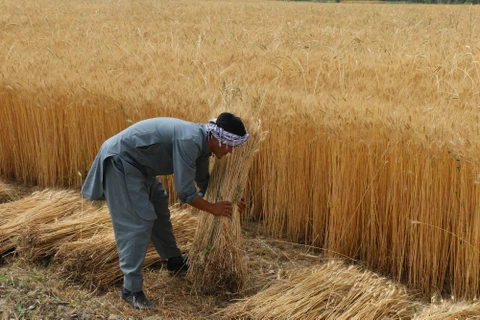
(225,137)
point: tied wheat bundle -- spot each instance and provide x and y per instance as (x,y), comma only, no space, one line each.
(330,291)
(43,240)
(216,256)
(98,269)
(11,210)
(41,208)
(93,262)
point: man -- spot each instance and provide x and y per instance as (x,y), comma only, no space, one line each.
(125,172)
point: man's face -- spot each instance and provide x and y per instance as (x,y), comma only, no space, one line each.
(220,151)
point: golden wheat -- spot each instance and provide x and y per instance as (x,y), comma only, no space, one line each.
(372,112)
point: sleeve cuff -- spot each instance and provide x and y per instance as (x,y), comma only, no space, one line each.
(190,199)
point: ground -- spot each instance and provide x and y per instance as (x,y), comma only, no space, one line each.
(37,291)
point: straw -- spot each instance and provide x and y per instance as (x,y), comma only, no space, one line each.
(42,240)
(93,262)
(329,291)
(40,208)
(216,257)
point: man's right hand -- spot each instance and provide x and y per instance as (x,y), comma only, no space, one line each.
(222,208)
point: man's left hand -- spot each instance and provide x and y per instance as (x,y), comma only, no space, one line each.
(242,205)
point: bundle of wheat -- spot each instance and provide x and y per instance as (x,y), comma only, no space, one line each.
(81,260)
(12,210)
(42,240)
(93,261)
(450,310)
(216,257)
(330,291)
(41,208)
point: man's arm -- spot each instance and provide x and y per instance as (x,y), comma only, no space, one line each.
(221,208)
(202,176)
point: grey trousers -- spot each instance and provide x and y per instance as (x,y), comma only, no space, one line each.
(139,212)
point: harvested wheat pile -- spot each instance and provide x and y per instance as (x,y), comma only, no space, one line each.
(330,291)
(93,261)
(41,240)
(450,310)
(216,257)
(11,210)
(41,207)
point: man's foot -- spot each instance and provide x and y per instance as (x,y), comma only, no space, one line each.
(136,300)
(177,264)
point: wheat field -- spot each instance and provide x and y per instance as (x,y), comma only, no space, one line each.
(372,112)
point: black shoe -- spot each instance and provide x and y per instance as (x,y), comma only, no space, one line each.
(136,300)
(177,264)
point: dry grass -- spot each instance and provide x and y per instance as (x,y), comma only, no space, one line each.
(372,114)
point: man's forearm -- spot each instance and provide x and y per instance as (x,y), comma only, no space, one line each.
(202,204)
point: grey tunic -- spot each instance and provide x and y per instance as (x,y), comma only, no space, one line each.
(158,146)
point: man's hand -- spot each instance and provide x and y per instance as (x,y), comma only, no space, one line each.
(222,208)
(242,205)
